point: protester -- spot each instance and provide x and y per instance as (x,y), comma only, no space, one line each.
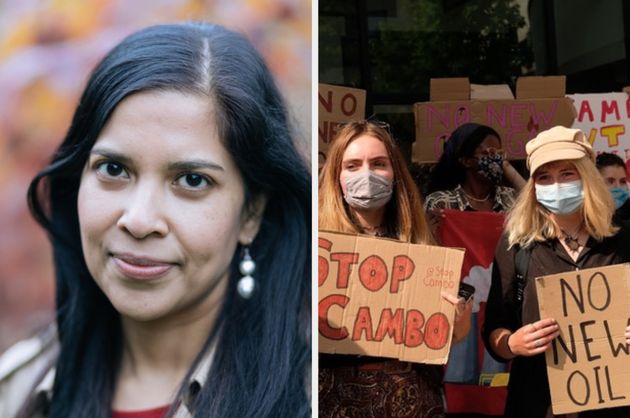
(470,173)
(365,188)
(470,176)
(178,209)
(613,170)
(563,219)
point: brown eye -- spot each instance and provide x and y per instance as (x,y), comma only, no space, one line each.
(111,169)
(193,181)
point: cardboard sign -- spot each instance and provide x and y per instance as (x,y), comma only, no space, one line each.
(516,120)
(588,364)
(605,120)
(381,297)
(337,105)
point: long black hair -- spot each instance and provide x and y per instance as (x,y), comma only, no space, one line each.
(263,356)
(449,171)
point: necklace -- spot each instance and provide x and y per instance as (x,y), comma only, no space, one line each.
(469,197)
(571,241)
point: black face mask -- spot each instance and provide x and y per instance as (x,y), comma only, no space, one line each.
(491,167)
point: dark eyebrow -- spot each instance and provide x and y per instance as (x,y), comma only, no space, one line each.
(112,155)
(192,165)
(189,165)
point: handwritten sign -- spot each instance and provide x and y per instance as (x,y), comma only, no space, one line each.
(516,120)
(337,105)
(605,120)
(588,364)
(382,298)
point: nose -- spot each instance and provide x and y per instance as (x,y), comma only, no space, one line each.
(143,215)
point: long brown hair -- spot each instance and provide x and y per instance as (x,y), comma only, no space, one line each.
(404,213)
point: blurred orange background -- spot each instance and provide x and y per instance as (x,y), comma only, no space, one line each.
(47,49)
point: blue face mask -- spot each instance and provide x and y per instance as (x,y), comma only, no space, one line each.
(620,195)
(561,198)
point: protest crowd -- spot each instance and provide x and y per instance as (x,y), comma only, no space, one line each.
(546,332)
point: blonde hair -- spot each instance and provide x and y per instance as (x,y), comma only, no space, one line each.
(404,212)
(529,221)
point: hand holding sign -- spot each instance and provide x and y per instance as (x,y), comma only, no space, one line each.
(587,364)
(463,315)
(381,297)
(533,338)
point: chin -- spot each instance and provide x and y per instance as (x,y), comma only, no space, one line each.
(139,306)
(140,313)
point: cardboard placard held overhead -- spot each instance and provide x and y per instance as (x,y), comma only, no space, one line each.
(605,120)
(540,104)
(337,105)
(444,89)
(490,92)
(588,364)
(381,297)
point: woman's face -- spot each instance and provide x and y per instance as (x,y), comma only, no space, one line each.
(365,153)
(556,172)
(161,208)
(490,146)
(614,176)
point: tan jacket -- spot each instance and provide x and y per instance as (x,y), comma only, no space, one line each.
(28,368)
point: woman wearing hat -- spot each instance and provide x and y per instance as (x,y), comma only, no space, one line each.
(563,220)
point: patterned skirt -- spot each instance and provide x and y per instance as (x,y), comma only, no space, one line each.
(352,386)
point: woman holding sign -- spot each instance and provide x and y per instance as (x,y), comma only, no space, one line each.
(365,188)
(561,222)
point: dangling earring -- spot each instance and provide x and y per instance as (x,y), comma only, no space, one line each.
(246,285)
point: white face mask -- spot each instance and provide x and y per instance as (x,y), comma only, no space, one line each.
(367,190)
(561,198)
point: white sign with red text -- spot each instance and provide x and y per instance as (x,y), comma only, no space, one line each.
(605,120)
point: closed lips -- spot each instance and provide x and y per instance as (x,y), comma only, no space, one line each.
(138,267)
